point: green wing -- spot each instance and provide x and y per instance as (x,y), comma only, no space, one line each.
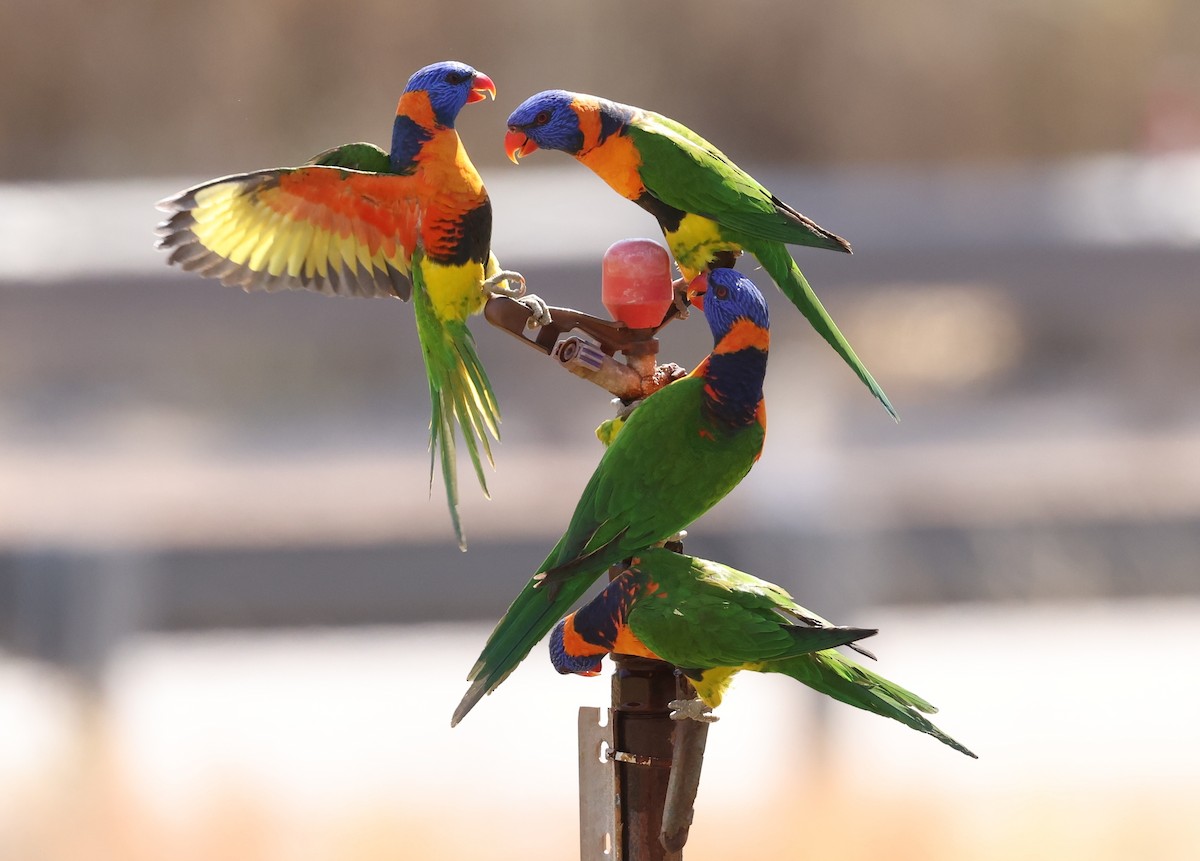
(715,616)
(734,619)
(685,171)
(667,467)
(355,156)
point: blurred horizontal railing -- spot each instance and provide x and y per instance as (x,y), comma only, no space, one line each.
(562,213)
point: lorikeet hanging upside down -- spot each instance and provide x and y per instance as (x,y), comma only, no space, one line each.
(705,204)
(349,223)
(679,453)
(711,622)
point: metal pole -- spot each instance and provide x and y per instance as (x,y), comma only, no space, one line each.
(688,759)
(634,805)
(643,735)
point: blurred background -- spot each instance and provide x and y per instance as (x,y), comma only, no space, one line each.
(233,621)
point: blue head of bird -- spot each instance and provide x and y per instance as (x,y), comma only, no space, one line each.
(566,662)
(554,119)
(728,297)
(450,85)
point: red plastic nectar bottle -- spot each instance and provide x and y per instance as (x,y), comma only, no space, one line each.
(636,284)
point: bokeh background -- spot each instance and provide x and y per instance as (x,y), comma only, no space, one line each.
(233,622)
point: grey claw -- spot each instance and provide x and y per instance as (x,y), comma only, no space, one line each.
(513,291)
(538,308)
(681,303)
(692,710)
(677,538)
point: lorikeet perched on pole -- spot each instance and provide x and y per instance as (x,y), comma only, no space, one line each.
(349,222)
(678,454)
(711,622)
(705,204)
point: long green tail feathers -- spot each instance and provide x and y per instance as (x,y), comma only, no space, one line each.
(460,393)
(527,620)
(841,678)
(778,262)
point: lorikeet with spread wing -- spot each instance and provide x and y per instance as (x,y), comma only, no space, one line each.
(678,454)
(705,204)
(711,622)
(349,223)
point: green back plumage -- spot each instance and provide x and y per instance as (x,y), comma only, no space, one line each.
(459,391)
(669,465)
(688,173)
(355,156)
(685,171)
(714,616)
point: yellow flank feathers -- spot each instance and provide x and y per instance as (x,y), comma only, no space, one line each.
(695,242)
(453,290)
(712,684)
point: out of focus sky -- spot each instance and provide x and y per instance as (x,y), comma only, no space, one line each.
(233,623)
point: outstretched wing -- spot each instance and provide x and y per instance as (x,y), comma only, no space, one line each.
(685,171)
(324,228)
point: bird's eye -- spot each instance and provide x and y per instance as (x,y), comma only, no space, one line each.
(542,118)
(455,78)
(721,292)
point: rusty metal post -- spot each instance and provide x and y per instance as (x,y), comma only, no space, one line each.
(643,735)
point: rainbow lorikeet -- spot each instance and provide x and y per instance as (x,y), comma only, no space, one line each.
(679,453)
(711,622)
(351,222)
(705,204)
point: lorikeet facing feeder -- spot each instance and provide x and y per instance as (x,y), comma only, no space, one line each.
(704,203)
(679,453)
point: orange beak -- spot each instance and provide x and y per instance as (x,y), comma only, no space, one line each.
(481,89)
(697,289)
(517,145)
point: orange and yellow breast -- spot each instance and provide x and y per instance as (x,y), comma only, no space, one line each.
(616,160)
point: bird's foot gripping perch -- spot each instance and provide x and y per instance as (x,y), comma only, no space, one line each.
(512,284)
(692,710)
(498,284)
(682,303)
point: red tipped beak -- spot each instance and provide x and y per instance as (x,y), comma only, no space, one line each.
(517,145)
(481,89)
(697,289)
